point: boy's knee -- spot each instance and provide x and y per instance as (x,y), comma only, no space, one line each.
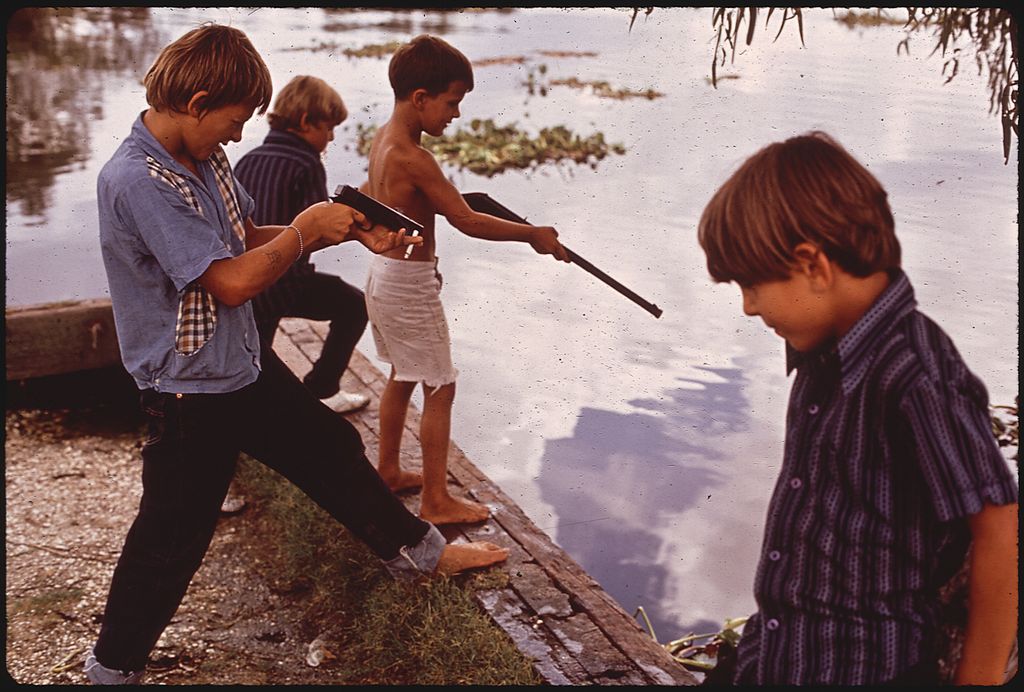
(439,394)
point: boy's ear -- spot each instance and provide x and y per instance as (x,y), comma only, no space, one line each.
(195,106)
(304,122)
(419,97)
(812,262)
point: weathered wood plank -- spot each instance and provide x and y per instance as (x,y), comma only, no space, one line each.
(58,338)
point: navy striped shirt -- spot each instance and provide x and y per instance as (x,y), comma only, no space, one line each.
(284,175)
(889,447)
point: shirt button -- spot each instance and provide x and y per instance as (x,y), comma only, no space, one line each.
(774,556)
(772,625)
(795,483)
(812,409)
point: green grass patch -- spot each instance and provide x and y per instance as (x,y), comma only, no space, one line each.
(379,631)
(47,601)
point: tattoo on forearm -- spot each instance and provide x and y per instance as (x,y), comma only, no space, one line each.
(273,258)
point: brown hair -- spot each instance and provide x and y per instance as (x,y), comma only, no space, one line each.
(430,63)
(805,189)
(213,58)
(307,95)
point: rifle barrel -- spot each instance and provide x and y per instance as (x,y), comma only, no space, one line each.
(482,202)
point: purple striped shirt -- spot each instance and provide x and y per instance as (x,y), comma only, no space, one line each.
(284,175)
(889,447)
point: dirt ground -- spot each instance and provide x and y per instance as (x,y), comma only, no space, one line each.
(72,486)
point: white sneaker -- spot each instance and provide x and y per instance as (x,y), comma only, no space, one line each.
(346,402)
(234,501)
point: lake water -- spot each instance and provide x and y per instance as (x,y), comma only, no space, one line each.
(647,448)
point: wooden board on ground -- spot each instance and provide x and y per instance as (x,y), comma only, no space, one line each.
(58,338)
(557,614)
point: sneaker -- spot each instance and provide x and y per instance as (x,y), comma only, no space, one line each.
(234,501)
(346,402)
(98,674)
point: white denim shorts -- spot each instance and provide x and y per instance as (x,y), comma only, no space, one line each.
(403,300)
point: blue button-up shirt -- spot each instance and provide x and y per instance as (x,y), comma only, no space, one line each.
(160,228)
(889,447)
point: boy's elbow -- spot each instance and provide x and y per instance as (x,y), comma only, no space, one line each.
(230,295)
(465,223)
(227,286)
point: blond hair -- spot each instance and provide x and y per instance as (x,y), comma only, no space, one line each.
(213,58)
(805,189)
(307,95)
(427,62)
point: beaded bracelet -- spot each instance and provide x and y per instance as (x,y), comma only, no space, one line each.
(302,247)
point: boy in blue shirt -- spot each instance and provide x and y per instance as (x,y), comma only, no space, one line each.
(183,260)
(890,468)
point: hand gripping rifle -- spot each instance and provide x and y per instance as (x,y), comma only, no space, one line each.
(482,202)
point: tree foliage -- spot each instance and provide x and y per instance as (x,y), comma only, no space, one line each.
(991,30)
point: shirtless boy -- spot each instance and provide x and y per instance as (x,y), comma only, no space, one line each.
(429,78)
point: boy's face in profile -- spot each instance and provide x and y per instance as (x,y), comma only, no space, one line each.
(793,308)
(318,135)
(439,110)
(204,132)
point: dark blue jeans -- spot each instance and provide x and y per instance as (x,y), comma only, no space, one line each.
(317,296)
(187,464)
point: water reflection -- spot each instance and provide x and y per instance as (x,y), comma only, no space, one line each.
(58,61)
(660,464)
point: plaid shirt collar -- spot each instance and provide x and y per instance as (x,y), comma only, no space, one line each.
(852,355)
(218,163)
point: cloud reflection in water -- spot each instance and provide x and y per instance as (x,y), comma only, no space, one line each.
(660,465)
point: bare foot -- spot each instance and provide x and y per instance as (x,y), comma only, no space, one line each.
(454,511)
(403,480)
(459,557)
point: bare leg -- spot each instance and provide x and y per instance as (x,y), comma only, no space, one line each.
(394,402)
(462,556)
(437,505)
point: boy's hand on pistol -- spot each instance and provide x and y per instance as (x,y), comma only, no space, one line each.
(324,224)
(379,239)
(544,239)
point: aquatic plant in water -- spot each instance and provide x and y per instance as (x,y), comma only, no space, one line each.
(372,50)
(605,90)
(487,149)
(700,657)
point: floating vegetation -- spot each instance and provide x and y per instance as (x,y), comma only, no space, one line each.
(708,80)
(700,657)
(1006,427)
(488,149)
(373,50)
(504,60)
(605,90)
(877,18)
(568,54)
(536,85)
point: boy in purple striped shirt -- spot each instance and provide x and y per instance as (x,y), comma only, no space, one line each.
(891,475)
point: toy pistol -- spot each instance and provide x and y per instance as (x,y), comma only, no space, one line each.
(377,212)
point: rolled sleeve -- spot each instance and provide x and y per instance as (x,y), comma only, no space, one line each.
(955,448)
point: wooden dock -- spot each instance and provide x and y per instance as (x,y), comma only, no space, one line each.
(557,615)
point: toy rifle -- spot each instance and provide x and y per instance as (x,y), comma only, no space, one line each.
(482,202)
